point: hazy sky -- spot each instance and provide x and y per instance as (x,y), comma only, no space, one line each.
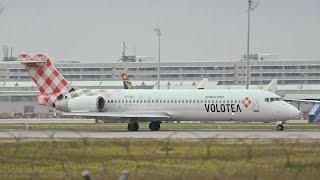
(92,30)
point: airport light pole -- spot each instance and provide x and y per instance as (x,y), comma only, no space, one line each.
(251,7)
(157,30)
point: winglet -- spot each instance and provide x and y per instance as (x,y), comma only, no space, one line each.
(272,85)
(203,83)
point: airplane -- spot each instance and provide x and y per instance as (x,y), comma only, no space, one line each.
(126,82)
(154,105)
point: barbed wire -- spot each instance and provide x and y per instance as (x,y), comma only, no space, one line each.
(51,155)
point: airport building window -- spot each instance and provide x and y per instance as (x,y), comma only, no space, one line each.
(191,68)
(271,67)
(229,68)
(107,69)
(215,75)
(4,98)
(147,69)
(91,69)
(313,81)
(16,98)
(170,68)
(255,67)
(229,75)
(132,69)
(13,70)
(291,67)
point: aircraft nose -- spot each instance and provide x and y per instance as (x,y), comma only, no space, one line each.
(294,112)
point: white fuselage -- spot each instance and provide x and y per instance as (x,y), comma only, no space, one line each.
(201,105)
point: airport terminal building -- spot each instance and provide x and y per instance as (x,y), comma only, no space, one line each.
(295,78)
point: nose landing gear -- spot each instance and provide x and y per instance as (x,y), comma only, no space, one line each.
(280,126)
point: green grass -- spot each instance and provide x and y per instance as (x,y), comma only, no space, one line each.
(237,159)
(164,126)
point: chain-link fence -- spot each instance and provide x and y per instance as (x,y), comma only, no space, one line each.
(168,158)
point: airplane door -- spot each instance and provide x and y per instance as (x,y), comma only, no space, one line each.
(256,105)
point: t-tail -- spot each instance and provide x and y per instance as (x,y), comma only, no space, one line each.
(51,84)
(126,82)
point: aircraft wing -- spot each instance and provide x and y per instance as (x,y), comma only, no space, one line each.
(303,100)
(147,114)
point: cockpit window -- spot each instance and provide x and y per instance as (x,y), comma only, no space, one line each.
(277,99)
(271,99)
(266,99)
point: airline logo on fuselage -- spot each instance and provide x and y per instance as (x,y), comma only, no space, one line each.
(228,107)
(222,107)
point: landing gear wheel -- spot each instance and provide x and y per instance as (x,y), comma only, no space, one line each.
(133,126)
(280,127)
(154,126)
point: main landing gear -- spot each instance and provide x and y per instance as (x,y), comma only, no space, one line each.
(133,125)
(280,126)
(154,126)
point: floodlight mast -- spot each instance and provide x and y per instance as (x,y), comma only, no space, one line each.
(157,30)
(251,7)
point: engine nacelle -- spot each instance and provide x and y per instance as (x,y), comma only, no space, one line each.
(82,104)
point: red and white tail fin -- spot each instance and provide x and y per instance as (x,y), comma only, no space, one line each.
(126,83)
(45,100)
(47,78)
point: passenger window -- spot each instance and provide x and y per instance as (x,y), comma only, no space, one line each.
(157,101)
(130,101)
(175,101)
(182,101)
(133,101)
(224,101)
(231,101)
(152,101)
(205,101)
(220,101)
(145,101)
(178,101)
(194,101)
(160,101)
(201,101)
(266,99)
(111,101)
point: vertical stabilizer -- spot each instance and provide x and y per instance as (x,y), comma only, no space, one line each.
(47,78)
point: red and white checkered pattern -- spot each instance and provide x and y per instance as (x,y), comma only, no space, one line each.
(46,77)
(24,57)
(45,100)
(246,102)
